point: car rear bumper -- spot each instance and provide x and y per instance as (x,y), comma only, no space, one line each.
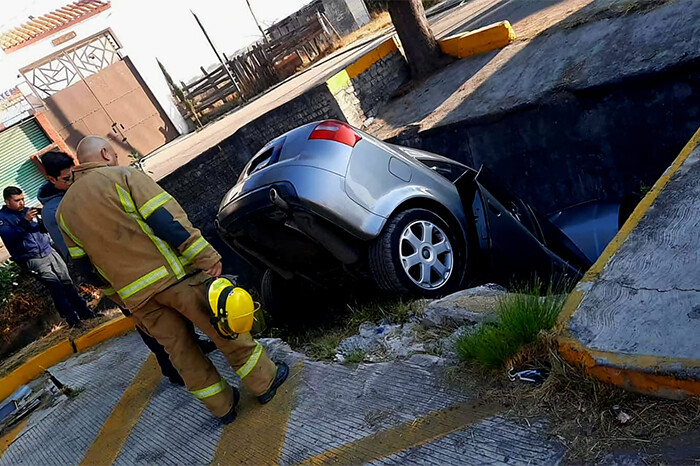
(298,231)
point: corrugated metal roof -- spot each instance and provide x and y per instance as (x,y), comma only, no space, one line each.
(50,23)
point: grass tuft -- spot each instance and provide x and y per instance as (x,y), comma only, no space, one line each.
(521,317)
(356,356)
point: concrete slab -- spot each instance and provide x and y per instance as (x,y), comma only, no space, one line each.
(386,412)
(633,319)
(567,46)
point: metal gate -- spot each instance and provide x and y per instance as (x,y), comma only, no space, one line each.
(17,144)
(91,89)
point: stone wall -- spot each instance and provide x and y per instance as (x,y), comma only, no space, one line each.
(370,81)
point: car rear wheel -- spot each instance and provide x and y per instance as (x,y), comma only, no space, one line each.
(276,292)
(417,253)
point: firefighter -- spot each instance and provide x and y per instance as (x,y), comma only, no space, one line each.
(125,231)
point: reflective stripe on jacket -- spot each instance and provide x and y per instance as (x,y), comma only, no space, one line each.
(134,234)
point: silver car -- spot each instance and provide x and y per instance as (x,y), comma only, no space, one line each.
(329,204)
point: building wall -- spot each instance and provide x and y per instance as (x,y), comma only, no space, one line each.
(359,11)
(346,15)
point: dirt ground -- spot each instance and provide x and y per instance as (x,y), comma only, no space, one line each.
(56,335)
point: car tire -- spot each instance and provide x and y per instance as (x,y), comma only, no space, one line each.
(439,266)
(275,292)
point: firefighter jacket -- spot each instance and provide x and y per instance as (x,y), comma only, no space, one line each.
(125,230)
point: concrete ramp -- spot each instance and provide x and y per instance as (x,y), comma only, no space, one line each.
(634,319)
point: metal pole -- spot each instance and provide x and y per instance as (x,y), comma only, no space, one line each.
(226,68)
(256,21)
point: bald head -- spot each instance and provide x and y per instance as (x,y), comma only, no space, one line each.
(96,149)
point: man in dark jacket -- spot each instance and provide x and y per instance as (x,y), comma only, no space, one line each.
(30,247)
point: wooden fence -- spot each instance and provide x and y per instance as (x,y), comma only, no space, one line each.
(254,70)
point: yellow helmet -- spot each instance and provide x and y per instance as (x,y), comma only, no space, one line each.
(232,308)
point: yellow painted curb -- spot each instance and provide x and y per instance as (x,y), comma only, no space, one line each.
(108,330)
(467,44)
(34,367)
(637,373)
(60,352)
(342,79)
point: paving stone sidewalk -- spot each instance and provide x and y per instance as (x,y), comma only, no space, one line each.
(382,413)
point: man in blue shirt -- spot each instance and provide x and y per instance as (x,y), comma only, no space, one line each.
(30,247)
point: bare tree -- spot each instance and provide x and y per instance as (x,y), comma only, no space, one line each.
(422,50)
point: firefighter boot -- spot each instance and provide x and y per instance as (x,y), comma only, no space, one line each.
(280,377)
(231,415)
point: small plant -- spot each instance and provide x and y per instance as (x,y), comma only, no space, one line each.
(357,356)
(520,319)
(323,348)
(644,188)
(8,281)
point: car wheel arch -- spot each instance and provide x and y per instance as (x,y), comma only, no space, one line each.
(434,206)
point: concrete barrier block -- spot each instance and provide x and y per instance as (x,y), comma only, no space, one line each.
(108,330)
(34,367)
(467,44)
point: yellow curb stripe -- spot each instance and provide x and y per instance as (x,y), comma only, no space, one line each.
(7,439)
(467,44)
(117,428)
(408,435)
(257,436)
(111,329)
(342,79)
(34,368)
(366,61)
(634,372)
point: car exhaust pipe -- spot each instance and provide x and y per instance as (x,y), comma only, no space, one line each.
(277,200)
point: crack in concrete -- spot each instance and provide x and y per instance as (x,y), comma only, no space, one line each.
(641,288)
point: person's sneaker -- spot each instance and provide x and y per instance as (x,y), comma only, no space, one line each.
(231,415)
(207,346)
(280,377)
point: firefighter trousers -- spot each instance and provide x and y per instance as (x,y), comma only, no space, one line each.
(164,317)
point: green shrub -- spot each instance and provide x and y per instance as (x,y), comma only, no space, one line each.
(520,319)
(8,280)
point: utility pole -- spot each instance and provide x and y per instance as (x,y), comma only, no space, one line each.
(262,31)
(226,68)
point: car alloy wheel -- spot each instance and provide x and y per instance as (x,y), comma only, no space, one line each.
(417,254)
(426,254)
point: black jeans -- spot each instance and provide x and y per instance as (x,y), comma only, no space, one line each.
(52,272)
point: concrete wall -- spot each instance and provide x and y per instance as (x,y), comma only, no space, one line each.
(599,143)
(346,15)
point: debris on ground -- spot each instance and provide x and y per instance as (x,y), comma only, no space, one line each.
(467,307)
(431,331)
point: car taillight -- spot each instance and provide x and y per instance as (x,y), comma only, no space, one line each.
(337,131)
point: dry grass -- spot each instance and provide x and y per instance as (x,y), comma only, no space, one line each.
(583,412)
(379,23)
